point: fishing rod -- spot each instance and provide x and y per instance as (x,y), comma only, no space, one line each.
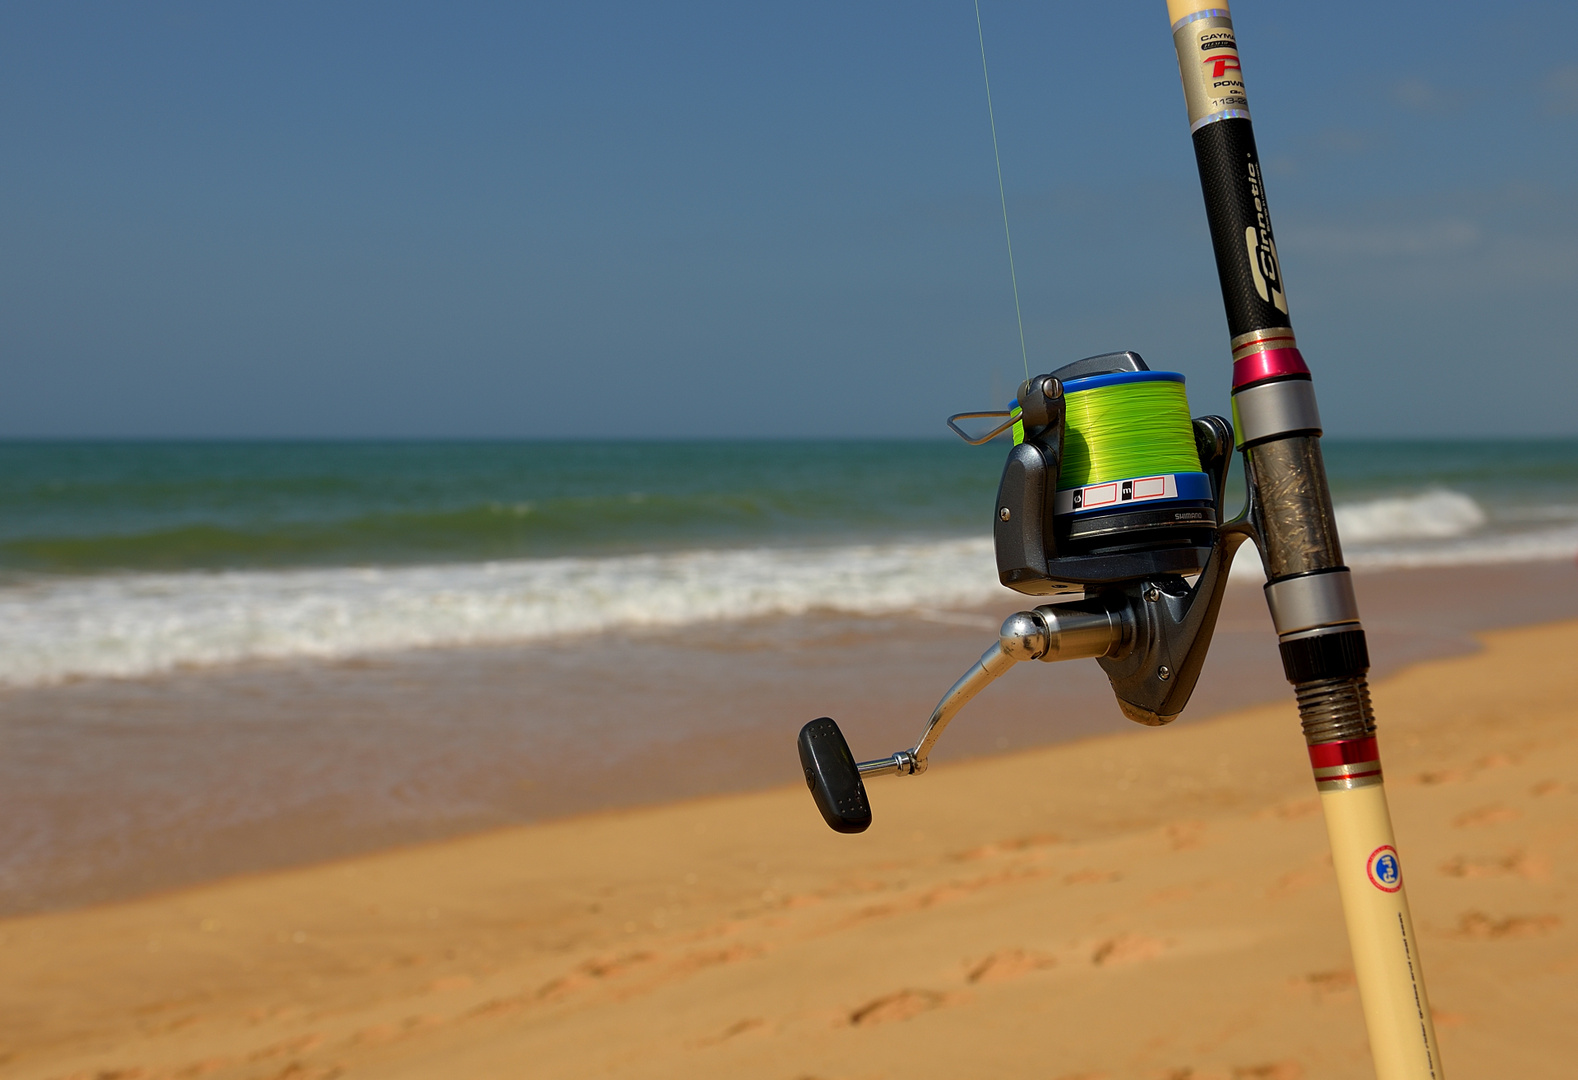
(1113,494)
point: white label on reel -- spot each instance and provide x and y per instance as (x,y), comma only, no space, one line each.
(1115,493)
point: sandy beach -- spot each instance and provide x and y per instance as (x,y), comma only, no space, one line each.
(1143,904)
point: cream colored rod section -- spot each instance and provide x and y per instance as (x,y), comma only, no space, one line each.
(1381,933)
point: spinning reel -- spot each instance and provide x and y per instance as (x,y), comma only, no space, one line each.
(1110,493)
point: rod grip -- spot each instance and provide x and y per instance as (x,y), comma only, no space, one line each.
(1254,295)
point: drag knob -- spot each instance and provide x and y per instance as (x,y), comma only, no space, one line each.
(833,777)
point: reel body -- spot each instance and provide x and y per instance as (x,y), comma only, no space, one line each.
(1060,531)
(1118,514)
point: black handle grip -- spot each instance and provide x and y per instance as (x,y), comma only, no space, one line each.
(833,777)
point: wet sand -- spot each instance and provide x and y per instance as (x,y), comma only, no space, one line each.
(1140,905)
(111,789)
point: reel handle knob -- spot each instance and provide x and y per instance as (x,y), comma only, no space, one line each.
(833,776)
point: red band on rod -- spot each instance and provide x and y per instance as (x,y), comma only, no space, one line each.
(1347,752)
(1268,364)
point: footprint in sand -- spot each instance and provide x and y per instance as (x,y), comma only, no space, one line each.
(1007,847)
(739,1027)
(1457,775)
(1517,863)
(298,1045)
(1486,815)
(1127,949)
(450,982)
(1293,811)
(1276,1070)
(1326,983)
(1441,776)
(1297,880)
(591,973)
(897,1006)
(1009,964)
(1476,924)
(1186,835)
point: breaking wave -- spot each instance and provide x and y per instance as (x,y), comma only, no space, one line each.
(1431,515)
(128,625)
(132,624)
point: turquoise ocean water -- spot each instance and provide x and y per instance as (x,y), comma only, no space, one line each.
(134,558)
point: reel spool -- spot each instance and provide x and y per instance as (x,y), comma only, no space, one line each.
(1130,464)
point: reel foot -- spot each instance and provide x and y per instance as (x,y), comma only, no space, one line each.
(834,777)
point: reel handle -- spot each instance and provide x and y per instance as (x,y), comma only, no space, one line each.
(1051,632)
(834,777)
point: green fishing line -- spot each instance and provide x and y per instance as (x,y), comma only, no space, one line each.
(1127,430)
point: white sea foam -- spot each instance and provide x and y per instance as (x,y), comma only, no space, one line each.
(1431,515)
(130,625)
(1447,528)
(1438,528)
(1543,545)
(143,624)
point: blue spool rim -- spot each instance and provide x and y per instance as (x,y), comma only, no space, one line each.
(1117,378)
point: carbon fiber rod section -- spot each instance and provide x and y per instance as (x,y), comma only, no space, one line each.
(1253,292)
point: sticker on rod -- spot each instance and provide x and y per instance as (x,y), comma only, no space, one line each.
(1384,871)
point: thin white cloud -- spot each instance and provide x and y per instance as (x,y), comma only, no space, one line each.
(1561,90)
(1444,236)
(1450,256)
(1338,140)
(1422,95)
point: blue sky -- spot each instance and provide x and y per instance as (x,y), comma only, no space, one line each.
(725,219)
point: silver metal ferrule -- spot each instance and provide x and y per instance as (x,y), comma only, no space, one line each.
(1276,408)
(1311,602)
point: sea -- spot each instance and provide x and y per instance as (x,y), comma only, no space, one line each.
(134,559)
